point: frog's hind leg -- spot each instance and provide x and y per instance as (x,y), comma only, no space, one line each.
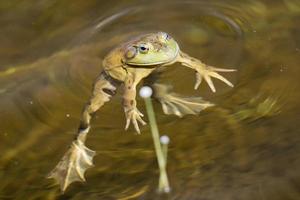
(173,103)
(79,158)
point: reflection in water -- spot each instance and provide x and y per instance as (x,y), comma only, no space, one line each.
(243,148)
(258,108)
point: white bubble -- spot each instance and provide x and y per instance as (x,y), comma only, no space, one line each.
(146,92)
(164,139)
(167,189)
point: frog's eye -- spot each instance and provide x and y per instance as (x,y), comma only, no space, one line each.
(131,52)
(143,48)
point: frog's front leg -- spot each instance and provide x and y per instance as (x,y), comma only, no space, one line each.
(132,114)
(203,71)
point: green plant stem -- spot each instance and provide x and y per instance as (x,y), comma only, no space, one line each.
(165,151)
(163,180)
(165,154)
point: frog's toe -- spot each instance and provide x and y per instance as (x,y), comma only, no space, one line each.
(207,73)
(221,78)
(134,116)
(207,76)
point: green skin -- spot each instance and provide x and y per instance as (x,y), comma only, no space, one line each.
(127,66)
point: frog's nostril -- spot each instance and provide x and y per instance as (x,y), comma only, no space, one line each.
(165,36)
(168,37)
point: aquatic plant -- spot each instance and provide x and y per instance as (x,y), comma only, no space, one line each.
(161,154)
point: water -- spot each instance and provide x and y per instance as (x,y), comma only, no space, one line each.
(246,147)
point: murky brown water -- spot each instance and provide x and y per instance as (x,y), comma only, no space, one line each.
(246,147)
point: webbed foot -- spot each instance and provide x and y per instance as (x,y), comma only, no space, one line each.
(176,104)
(73,165)
(134,116)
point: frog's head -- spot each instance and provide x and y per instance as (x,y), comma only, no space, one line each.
(151,49)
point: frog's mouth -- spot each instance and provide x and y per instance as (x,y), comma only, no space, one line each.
(163,56)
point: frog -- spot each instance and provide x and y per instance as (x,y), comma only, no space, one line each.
(125,67)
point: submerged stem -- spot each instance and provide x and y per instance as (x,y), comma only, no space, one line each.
(163,180)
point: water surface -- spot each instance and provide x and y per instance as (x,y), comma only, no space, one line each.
(246,147)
